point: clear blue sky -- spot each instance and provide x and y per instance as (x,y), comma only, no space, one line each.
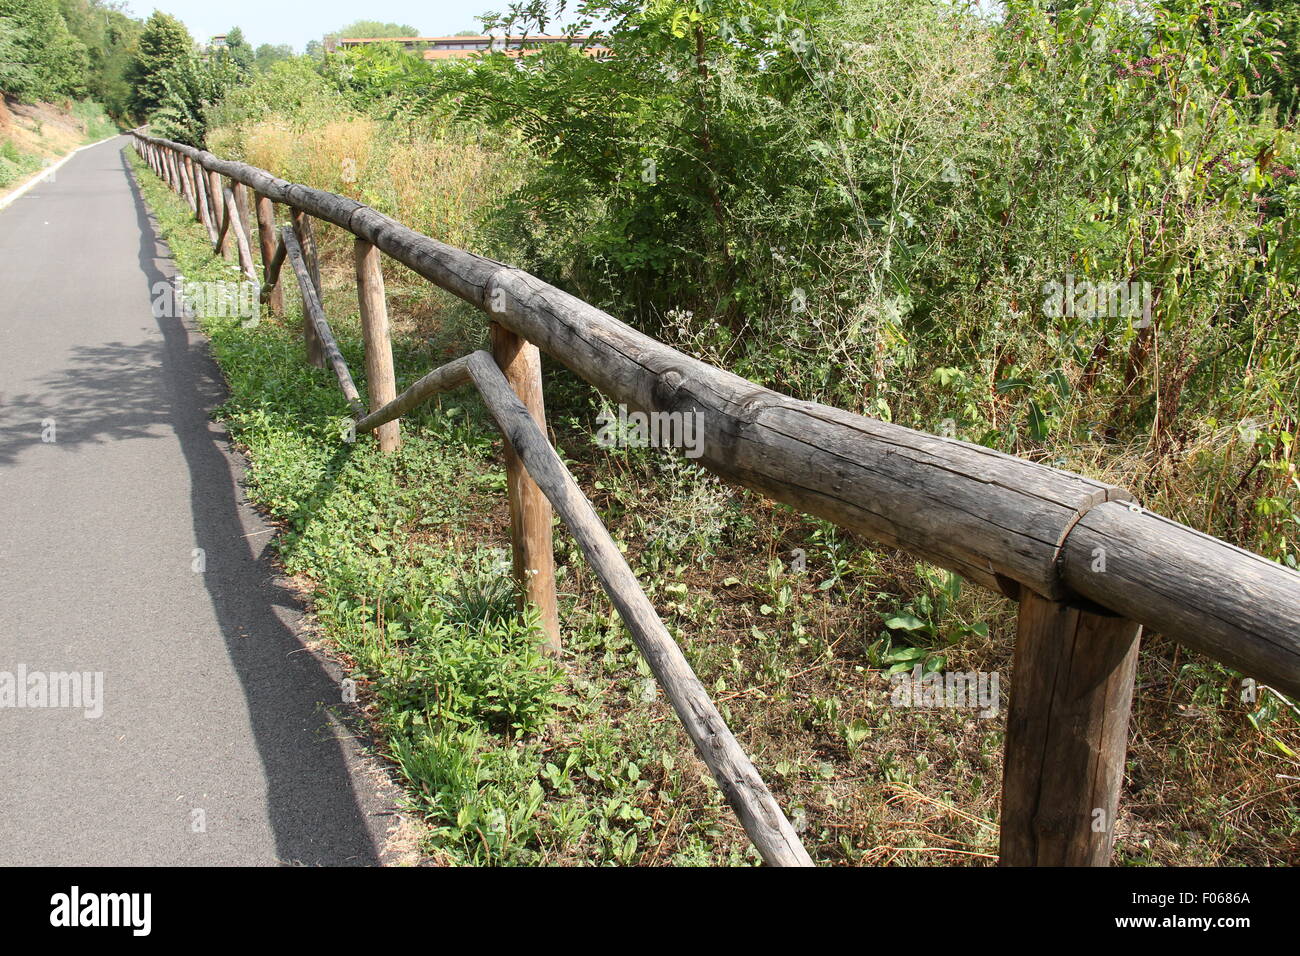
(276,21)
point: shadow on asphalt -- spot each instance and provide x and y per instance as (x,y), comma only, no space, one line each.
(312,803)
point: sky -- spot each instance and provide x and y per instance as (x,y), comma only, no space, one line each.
(277,21)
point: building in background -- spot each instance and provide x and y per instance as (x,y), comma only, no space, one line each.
(448,48)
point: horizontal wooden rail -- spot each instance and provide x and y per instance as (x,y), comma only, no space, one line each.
(991,517)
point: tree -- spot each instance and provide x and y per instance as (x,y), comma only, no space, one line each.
(39,57)
(110,37)
(374,28)
(240,52)
(190,88)
(164,43)
(267,55)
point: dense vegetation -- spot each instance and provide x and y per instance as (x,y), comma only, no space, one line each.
(1066,231)
(851,198)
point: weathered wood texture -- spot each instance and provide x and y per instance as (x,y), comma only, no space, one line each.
(223,231)
(241,203)
(532,546)
(306,235)
(316,315)
(191,185)
(442,379)
(272,294)
(271,285)
(218,202)
(1234,606)
(986,515)
(380,380)
(206,214)
(1067,728)
(238,226)
(744,789)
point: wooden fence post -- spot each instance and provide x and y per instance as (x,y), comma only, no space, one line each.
(219,203)
(187,180)
(380,380)
(266,239)
(191,190)
(203,213)
(530,511)
(241,203)
(1067,730)
(302,228)
(182,188)
(236,218)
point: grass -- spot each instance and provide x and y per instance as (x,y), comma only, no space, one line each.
(15,164)
(511,759)
(32,141)
(97,123)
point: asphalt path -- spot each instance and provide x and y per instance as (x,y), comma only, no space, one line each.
(129,556)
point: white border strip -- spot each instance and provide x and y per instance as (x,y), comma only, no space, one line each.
(40,177)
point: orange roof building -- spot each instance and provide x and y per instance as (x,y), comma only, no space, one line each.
(449,48)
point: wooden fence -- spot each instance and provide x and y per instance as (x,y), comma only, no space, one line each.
(1088,565)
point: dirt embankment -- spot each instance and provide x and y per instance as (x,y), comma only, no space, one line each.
(44,130)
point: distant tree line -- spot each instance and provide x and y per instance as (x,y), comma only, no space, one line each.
(139,70)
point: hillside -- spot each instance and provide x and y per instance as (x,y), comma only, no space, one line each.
(34,135)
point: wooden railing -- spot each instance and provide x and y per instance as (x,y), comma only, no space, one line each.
(1088,565)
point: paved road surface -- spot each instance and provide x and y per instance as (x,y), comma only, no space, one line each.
(214,714)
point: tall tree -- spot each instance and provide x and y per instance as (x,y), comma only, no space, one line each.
(191,87)
(164,43)
(375,28)
(110,37)
(240,52)
(39,57)
(268,55)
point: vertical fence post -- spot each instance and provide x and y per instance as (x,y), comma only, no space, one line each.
(237,225)
(242,204)
(178,164)
(219,203)
(212,217)
(192,174)
(187,186)
(530,512)
(203,213)
(381,383)
(302,228)
(266,239)
(1067,731)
